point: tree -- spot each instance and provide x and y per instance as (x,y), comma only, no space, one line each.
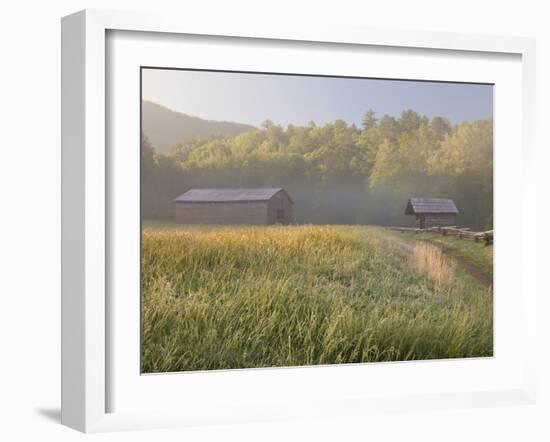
(410,121)
(387,164)
(267,124)
(440,127)
(469,148)
(147,157)
(369,121)
(388,127)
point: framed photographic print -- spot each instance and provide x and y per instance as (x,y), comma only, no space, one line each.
(262,245)
(250,214)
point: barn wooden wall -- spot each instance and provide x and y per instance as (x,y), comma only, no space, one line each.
(437,220)
(222,213)
(280,201)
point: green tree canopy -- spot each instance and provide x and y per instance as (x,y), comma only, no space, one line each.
(336,172)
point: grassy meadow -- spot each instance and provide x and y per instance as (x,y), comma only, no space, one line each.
(242,297)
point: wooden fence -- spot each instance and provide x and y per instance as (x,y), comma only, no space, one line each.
(460,232)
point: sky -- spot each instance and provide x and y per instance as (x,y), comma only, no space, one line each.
(290,99)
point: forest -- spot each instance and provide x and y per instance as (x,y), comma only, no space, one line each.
(336,173)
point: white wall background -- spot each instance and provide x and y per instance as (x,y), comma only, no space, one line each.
(30,215)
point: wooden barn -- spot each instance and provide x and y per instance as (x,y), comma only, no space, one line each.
(432,212)
(235,206)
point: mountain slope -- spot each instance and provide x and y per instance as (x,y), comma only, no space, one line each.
(165,128)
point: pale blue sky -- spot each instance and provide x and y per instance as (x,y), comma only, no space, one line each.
(287,99)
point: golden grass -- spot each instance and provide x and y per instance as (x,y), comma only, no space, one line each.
(431,261)
(242,297)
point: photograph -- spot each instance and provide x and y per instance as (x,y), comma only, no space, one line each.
(293,220)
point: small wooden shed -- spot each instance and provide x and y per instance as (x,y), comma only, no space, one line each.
(432,212)
(235,206)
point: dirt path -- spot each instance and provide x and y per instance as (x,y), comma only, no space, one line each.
(470,268)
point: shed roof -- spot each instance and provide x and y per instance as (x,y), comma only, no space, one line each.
(430,205)
(220,195)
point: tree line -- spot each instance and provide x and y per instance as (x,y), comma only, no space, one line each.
(337,173)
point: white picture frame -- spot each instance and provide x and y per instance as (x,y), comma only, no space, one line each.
(86,206)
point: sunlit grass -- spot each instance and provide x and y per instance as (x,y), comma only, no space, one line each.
(242,297)
(431,261)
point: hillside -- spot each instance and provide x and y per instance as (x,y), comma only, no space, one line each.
(164,127)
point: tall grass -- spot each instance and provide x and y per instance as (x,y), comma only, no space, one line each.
(220,298)
(431,261)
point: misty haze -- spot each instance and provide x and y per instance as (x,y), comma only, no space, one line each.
(285,218)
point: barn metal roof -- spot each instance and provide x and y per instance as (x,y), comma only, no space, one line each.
(227,195)
(430,205)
